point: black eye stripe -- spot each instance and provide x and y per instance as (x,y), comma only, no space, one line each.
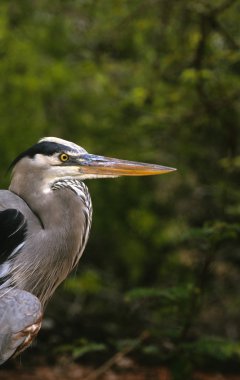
(46,148)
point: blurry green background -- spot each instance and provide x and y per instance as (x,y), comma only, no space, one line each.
(155,81)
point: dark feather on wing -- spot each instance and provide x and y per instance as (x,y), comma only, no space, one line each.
(13,228)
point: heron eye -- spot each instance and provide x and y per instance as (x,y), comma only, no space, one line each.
(64,157)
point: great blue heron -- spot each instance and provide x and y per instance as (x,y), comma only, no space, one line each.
(45,218)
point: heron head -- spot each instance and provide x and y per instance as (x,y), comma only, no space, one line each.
(57,158)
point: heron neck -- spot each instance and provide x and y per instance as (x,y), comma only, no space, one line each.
(65,217)
(50,206)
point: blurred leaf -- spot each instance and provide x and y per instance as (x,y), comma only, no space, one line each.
(88,348)
(214,347)
(174,294)
(88,282)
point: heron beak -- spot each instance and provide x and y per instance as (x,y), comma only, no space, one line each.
(91,164)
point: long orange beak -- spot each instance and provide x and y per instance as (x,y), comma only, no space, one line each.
(101,166)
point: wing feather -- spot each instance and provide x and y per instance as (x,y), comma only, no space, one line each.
(13,228)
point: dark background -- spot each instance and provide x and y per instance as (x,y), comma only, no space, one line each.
(155,81)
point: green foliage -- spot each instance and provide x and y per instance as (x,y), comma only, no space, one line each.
(213,348)
(174,294)
(155,81)
(80,347)
(89,283)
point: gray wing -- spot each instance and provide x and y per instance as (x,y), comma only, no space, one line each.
(20,321)
(13,228)
(14,214)
(9,200)
(20,311)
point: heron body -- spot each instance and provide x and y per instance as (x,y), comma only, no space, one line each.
(45,219)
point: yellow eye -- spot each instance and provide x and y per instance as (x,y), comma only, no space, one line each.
(64,157)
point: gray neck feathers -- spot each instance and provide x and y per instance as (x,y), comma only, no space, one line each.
(52,252)
(77,186)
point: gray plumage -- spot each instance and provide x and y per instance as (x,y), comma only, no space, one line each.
(52,227)
(45,219)
(20,318)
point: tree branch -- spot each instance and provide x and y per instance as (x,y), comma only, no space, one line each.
(116,358)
